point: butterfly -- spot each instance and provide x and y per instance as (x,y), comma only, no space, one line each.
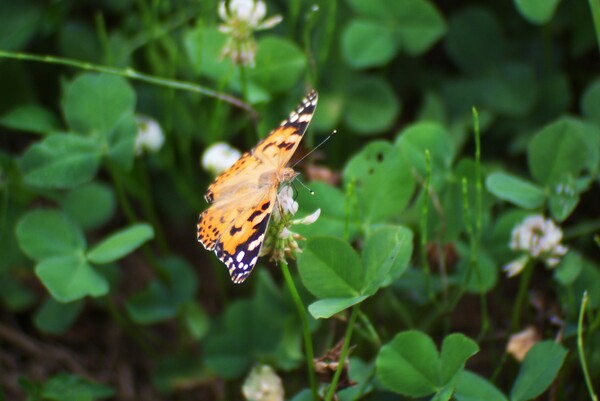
(242,198)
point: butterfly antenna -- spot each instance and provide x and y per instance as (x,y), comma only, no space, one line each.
(310,191)
(315,148)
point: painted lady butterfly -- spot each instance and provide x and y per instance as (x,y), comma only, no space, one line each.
(243,197)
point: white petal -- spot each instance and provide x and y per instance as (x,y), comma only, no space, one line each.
(515,267)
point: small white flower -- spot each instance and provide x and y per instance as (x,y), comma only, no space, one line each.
(219,157)
(538,238)
(150,137)
(263,384)
(241,19)
(280,240)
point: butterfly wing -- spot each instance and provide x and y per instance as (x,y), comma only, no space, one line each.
(236,230)
(273,152)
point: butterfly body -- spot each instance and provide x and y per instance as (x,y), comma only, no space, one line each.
(242,198)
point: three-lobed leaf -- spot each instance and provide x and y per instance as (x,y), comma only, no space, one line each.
(70,277)
(410,363)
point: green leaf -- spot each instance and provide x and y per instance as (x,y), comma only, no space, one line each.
(590,102)
(18,23)
(120,244)
(372,106)
(383,182)
(164,299)
(56,318)
(410,364)
(563,198)
(415,139)
(330,268)
(569,268)
(96,103)
(515,190)
(325,308)
(472,387)
(368,43)
(279,64)
(483,275)
(333,219)
(196,320)
(121,142)
(31,118)
(456,349)
(417,23)
(538,371)
(61,161)
(475,41)
(565,146)
(47,233)
(69,278)
(385,257)
(76,204)
(510,89)
(537,12)
(443,394)
(203,46)
(68,387)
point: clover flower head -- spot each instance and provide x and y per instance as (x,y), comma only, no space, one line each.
(263,384)
(219,157)
(280,240)
(241,18)
(537,238)
(149,137)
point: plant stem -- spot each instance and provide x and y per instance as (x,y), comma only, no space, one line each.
(517,310)
(595,8)
(584,366)
(132,74)
(343,353)
(424,216)
(308,346)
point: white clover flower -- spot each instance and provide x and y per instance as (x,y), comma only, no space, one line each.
(540,239)
(280,240)
(219,157)
(241,19)
(263,384)
(150,137)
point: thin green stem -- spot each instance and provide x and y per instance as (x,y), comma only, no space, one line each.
(478,180)
(374,337)
(476,243)
(424,217)
(132,74)
(582,359)
(343,353)
(121,195)
(328,35)
(595,8)
(524,282)
(521,295)
(308,346)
